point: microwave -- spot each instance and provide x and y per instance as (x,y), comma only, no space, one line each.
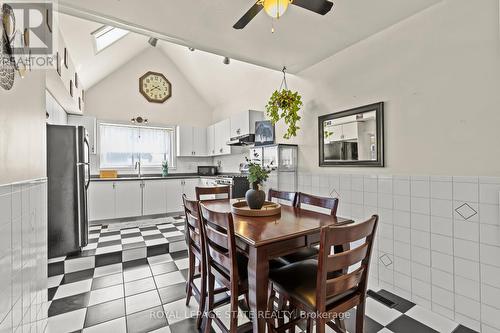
(207,170)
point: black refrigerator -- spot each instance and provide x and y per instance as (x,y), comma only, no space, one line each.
(68,173)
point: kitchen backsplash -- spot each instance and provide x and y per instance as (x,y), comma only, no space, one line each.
(438,241)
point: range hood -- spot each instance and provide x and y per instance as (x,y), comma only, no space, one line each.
(244,140)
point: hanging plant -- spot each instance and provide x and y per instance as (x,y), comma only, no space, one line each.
(285,104)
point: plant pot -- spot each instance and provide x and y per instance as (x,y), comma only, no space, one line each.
(255,197)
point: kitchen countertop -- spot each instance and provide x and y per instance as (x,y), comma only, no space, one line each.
(95,178)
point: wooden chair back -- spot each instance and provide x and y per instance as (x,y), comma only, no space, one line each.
(329,264)
(323,202)
(282,195)
(194,230)
(212,191)
(220,243)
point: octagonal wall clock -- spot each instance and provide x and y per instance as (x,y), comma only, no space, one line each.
(155,87)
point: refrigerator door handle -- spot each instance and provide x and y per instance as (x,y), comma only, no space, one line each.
(87,184)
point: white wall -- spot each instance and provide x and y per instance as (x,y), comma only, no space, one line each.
(22,129)
(439,75)
(117,97)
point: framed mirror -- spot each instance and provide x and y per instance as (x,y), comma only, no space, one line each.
(353,137)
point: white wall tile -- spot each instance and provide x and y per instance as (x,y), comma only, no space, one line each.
(468,192)
(466,249)
(402,250)
(420,239)
(421,222)
(421,272)
(420,205)
(489,193)
(370,183)
(442,208)
(490,275)
(490,315)
(441,190)
(420,188)
(371,199)
(466,230)
(402,203)
(402,281)
(489,214)
(442,244)
(385,184)
(357,182)
(402,234)
(442,279)
(490,234)
(421,255)
(490,296)
(401,187)
(443,297)
(357,197)
(490,255)
(467,306)
(467,268)
(421,289)
(442,261)
(468,288)
(442,226)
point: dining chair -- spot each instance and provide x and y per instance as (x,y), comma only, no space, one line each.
(225,265)
(196,252)
(329,204)
(214,191)
(324,288)
(289,197)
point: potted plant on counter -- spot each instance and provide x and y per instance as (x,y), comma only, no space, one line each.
(257,175)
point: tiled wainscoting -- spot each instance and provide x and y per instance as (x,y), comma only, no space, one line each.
(438,241)
(23,256)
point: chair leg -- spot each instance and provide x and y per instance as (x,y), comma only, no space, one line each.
(360,317)
(210,303)
(320,325)
(189,287)
(309,328)
(270,308)
(203,297)
(233,326)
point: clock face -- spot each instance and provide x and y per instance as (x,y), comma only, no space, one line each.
(155,87)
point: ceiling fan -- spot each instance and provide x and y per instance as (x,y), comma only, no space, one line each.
(276,9)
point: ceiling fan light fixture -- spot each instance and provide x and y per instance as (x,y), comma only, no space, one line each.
(275,8)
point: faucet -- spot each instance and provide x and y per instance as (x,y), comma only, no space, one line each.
(138,168)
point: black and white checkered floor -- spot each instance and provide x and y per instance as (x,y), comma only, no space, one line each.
(106,290)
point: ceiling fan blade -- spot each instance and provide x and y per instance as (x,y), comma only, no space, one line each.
(245,19)
(318,6)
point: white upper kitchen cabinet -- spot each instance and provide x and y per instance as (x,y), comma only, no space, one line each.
(243,123)
(90,124)
(154,197)
(128,198)
(101,198)
(221,137)
(350,131)
(191,141)
(211,140)
(174,195)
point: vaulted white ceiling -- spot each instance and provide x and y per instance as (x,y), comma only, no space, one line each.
(302,38)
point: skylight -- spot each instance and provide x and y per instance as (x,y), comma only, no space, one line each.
(106,36)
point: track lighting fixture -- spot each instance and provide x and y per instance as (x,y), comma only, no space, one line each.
(153,41)
(226,61)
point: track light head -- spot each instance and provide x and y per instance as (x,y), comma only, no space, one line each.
(153,41)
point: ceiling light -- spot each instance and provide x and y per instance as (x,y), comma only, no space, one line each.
(139,120)
(191,49)
(276,8)
(153,41)
(226,61)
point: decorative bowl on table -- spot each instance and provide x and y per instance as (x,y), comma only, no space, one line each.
(269,209)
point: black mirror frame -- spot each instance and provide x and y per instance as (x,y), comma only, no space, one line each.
(379,108)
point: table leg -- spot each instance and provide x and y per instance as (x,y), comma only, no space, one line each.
(258,274)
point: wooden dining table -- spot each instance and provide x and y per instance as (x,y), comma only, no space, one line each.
(265,238)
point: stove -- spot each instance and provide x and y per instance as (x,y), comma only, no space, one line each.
(238,183)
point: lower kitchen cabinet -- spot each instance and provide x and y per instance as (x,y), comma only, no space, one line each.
(101,197)
(122,199)
(128,199)
(154,197)
(174,195)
